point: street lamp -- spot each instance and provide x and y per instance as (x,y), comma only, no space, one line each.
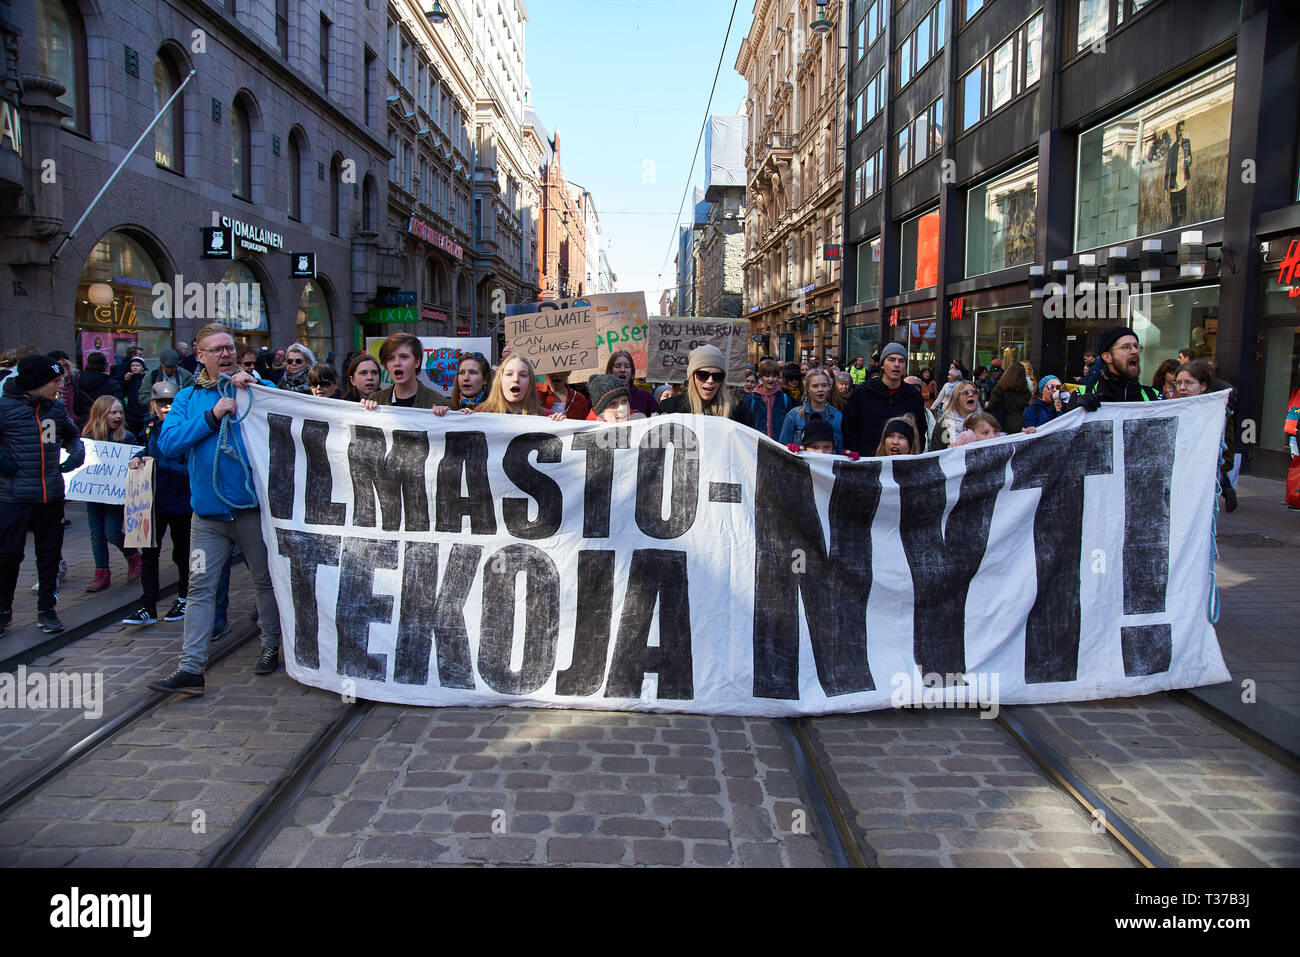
(437,15)
(821,25)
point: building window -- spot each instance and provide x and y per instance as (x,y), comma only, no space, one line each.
(336,190)
(869,270)
(249,320)
(368,203)
(241,152)
(1012,67)
(324,53)
(294,205)
(120,263)
(920,252)
(315,328)
(970,8)
(869,101)
(921,137)
(368,79)
(282,27)
(169,134)
(1095,18)
(61,55)
(1163,165)
(1000,221)
(922,44)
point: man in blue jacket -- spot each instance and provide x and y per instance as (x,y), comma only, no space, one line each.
(33,427)
(226,512)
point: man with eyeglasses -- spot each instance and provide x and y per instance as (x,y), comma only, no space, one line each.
(1121,357)
(226,511)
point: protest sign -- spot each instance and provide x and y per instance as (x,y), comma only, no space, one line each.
(137,518)
(673,337)
(687,563)
(579,335)
(102,477)
(441,358)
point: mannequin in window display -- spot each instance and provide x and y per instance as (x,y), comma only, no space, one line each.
(1178,173)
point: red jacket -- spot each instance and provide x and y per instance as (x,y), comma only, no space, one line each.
(577,408)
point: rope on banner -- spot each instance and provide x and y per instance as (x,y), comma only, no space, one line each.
(1212,611)
(226,444)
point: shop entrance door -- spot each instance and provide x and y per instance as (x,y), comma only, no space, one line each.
(1280,375)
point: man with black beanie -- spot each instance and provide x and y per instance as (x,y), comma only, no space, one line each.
(33,427)
(878,400)
(1121,357)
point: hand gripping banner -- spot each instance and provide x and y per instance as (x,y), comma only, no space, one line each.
(685,563)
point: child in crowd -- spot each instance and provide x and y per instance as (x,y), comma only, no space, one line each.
(514,390)
(609,400)
(107,423)
(898,438)
(979,426)
(819,437)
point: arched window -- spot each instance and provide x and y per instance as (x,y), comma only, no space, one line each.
(169,134)
(368,203)
(244,308)
(315,329)
(294,207)
(336,199)
(241,152)
(61,55)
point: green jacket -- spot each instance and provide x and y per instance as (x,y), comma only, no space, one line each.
(425,398)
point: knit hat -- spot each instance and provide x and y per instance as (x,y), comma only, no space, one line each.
(35,371)
(1046,381)
(818,430)
(604,389)
(163,390)
(900,427)
(169,357)
(705,357)
(1112,336)
(893,349)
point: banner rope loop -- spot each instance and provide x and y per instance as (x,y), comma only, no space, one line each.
(1213,609)
(226,445)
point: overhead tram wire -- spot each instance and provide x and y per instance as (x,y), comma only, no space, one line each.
(703,124)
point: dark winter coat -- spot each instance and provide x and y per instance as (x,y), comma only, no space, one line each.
(1111,388)
(1009,407)
(1038,413)
(171,476)
(871,405)
(88,387)
(32,431)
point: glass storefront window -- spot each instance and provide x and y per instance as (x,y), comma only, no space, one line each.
(1000,218)
(869,270)
(920,267)
(114,307)
(862,341)
(1002,334)
(245,314)
(1168,321)
(922,344)
(315,330)
(1158,167)
(1281,379)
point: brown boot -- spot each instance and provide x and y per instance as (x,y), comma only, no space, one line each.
(102,580)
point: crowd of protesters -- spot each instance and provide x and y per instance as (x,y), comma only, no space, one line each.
(176,411)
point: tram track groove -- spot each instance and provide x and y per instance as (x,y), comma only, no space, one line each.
(833,827)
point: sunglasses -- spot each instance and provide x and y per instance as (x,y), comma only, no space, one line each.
(705,376)
(296,362)
(248,365)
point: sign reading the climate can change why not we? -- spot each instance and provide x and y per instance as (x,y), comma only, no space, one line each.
(578,336)
(102,477)
(686,563)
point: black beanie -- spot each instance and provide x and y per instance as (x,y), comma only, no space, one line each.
(604,389)
(900,427)
(1112,336)
(35,371)
(818,430)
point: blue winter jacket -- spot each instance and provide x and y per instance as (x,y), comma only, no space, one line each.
(191,430)
(797,418)
(32,431)
(1038,413)
(755,411)
(172,474)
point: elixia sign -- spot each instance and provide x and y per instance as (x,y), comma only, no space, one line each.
(421,229)
(686,563)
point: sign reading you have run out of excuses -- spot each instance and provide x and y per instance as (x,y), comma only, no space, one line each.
(508,560)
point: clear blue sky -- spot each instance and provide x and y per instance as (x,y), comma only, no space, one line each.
(625,83)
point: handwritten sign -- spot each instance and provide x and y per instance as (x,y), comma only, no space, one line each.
(549,336)
(671,339)
(441,358)
(102,477)
(137,520)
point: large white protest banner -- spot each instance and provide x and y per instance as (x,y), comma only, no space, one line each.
(102,477)
(686,563)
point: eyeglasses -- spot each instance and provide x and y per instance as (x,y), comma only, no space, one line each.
(220,351)
(296,362)
(703,375)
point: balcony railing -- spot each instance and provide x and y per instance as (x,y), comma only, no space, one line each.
(777,141)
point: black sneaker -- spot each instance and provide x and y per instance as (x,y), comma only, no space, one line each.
(177,612)
(269,661)
(180,682)
(49,623)
(141,616)
(1230,497)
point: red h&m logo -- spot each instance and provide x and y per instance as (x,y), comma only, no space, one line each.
(957,308)
(1286,270)
(893,316)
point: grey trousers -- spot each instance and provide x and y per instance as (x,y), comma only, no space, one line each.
(211,543)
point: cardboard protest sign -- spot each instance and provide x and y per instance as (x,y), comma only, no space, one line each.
(441,358)
(137,520)
(687,563)
(578,336)
(102,477)
(673,337)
